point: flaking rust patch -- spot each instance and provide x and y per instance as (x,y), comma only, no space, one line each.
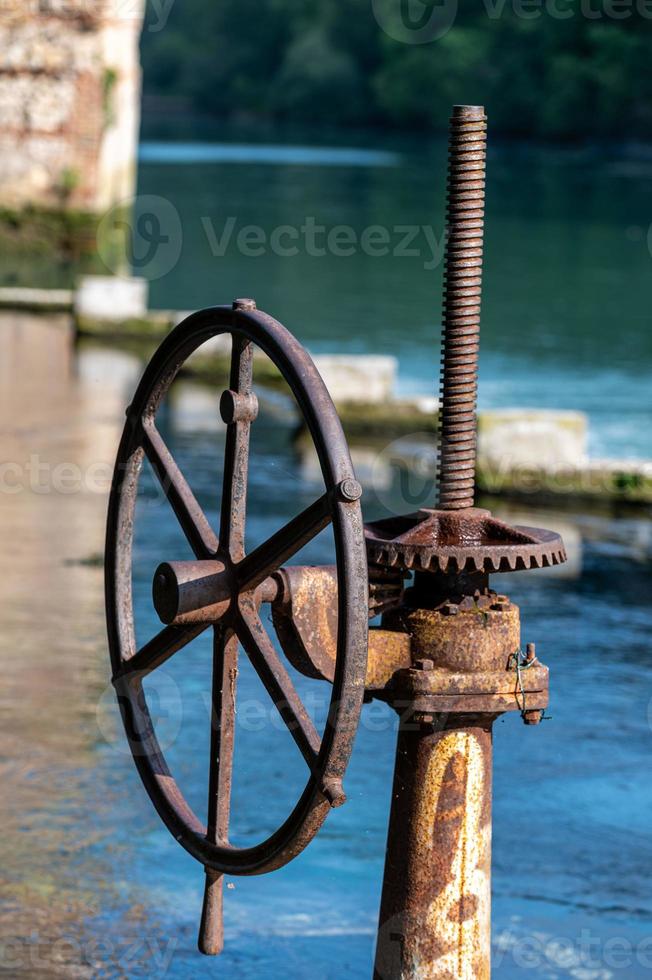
(460,914)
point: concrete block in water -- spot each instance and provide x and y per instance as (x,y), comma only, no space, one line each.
(531,438)
(368,378)
(111,298)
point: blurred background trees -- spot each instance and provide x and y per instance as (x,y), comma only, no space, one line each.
(328,61)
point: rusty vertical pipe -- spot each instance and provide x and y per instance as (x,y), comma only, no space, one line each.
(461,314)
(435,916)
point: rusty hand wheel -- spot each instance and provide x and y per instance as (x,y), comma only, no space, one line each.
(223,588)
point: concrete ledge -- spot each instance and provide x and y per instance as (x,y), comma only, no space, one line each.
(598,480)
(36,300)
(361,378)
(628,481)
(112,299)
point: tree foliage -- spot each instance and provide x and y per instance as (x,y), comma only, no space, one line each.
(559,70)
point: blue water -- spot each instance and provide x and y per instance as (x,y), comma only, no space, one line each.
(303,156)
(572,848)
(567,298)
(566,324)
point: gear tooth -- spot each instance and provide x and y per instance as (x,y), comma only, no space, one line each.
(443,562)
(512,560)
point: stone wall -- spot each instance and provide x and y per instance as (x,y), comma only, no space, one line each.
(69,102)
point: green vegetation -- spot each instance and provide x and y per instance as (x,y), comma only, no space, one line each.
(67,184)
(57,231)
(555,70)
(591,482)
(109,82)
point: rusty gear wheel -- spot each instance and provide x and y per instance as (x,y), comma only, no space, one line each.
(456,541)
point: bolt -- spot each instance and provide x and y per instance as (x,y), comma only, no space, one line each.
(350,490)
(244,304)
(461,317)
(530,653)
(533,717)
(424,665)
(423,718)
(501,606)
(449,609)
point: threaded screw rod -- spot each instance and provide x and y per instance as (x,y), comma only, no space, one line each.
(462,297)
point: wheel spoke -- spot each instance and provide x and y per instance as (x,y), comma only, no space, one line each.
(236,455)
(278,684)
(159,649)
(193,521)
(225,672)
(282,545)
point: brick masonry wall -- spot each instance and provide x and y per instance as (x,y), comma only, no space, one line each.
(69,102)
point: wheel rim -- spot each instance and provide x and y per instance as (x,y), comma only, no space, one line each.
(328,760)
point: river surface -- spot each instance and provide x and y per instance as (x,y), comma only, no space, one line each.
(92,884)
(345,247)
